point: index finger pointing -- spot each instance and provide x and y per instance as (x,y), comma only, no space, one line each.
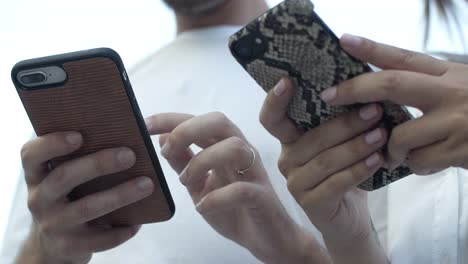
(404,88)
(202,131)
(388,57)
(165,123)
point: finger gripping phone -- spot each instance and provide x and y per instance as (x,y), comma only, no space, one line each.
(291,40)
(89,92)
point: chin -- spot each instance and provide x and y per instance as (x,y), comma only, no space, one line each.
(194,7)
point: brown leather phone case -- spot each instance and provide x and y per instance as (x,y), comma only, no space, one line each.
(97,100)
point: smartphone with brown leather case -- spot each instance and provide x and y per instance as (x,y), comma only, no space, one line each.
(96,99)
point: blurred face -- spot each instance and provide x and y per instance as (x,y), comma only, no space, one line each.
(194,7)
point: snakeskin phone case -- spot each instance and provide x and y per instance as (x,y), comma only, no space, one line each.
(97,100)
(292,41)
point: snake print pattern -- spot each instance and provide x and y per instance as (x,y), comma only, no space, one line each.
(292,41)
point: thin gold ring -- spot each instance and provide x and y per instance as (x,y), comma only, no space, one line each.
(244,171)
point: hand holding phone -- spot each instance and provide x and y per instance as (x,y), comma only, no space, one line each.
(89,92)
(292,41)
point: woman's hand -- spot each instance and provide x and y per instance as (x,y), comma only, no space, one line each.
(323,168)
(231,189)
(433,142)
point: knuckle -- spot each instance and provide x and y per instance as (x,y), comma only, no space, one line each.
(357,148)
(292,187)
(163,139)
(348,88)
(358,173)
(58,177)
(348,122)
(265,119)
(222,122)
(84,209)
(47,228)
(219,116)
(245,192)
(284,164)
(460,93)
(331,187)
(120,237)
(322,144)
(458,121)
(34,203)
(283,167)
(416,164)
(407,57)
(237,144)
(306,202)
(392,80)
(123,236)
(370,47)
(26,155)
(295,185)
(398,138)
(317,139)
(321,163)
(267,115)
(193,164)
(178,133)
(99,163)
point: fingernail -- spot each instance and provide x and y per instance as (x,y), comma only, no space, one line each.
(166,149)
(374,137)
(280,88)
(329,94)
(145,184)
(183,177)
(199,206)
(351,41)
(126,157)
(373,160)
(73,138)
(368,112)
(148,124)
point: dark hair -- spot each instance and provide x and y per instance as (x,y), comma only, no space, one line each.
(447,10)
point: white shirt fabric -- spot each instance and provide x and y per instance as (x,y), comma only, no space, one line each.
(194,74)
(419,219)
(426,217)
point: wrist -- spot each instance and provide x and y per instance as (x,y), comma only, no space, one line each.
(310,250)
(302,248)
(363,250)
(34,252)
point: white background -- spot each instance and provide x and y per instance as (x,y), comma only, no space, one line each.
(137,28)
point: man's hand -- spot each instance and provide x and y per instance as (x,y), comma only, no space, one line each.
(242,207)
(323,168)
(61,232)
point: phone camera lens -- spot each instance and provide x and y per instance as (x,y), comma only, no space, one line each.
(243,50)
(33,78)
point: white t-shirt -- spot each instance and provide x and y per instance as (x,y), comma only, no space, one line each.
(419,219)
(194,74)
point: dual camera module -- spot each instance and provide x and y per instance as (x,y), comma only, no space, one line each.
(43,76)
